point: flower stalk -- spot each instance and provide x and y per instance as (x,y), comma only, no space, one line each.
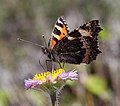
(53,98)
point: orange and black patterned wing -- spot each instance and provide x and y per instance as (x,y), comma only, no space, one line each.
(60,30)
(80,46)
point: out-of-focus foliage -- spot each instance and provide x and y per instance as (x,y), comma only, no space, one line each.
(97,86)
(104,35)
(30,19)
(3,98)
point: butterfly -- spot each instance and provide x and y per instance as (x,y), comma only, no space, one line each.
(75,47)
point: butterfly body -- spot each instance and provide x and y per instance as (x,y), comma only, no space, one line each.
(75,47)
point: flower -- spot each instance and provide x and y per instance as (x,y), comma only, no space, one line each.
(53,77)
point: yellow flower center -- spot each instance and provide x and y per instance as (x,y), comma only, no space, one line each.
(50,75)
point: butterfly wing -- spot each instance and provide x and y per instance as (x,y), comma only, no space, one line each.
(88,33)
(60,30)
(69,51)
(91,29)
(80,46)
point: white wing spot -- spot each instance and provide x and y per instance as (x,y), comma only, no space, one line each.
(60,21)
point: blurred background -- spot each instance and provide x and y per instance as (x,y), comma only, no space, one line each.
(99,82)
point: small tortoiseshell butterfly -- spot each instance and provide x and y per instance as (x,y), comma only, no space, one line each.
(75,47)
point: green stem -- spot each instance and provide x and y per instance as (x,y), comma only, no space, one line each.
(53,98)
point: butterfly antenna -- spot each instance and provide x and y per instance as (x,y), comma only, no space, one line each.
(41,64)
(44,40)
(26,41)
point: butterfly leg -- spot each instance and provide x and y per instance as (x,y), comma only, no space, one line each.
(41,65)
(53,66)
(63,64)
(60,65)
(50,63)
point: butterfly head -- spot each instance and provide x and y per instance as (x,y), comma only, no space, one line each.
(46,51)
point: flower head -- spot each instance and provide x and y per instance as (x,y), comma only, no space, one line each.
(53,77)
